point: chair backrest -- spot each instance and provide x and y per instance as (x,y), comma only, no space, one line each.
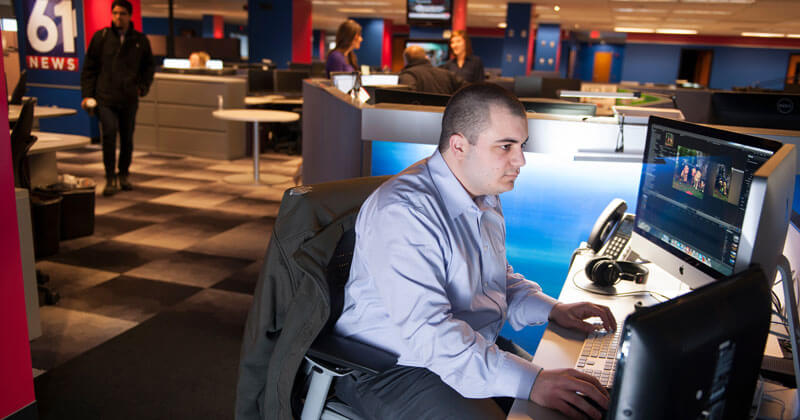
(19,89)
(337,273)
(21,142)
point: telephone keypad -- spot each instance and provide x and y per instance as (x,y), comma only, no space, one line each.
(615,246)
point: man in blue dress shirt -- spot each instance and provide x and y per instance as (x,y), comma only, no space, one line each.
(430,281)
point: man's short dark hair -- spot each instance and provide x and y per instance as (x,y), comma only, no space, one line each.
(467,112)
(123,3)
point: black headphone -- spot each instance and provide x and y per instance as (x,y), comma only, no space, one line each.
(605,272)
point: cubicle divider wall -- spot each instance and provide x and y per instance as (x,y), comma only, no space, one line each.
(571,174)
(175,116)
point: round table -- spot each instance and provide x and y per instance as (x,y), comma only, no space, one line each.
(255,116)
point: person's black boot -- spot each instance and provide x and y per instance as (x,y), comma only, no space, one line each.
(124,184)
(111,186)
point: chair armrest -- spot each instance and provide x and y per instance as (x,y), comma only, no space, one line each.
(352,354)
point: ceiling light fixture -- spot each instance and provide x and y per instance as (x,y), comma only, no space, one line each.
(701,12)
(792,35)
(763,34)
(356,10)
(502,25)
(677,31)
(556,8)
(633,30)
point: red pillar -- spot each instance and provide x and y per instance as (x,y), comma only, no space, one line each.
(16,383)
(386,51)
(302,36)
(219,27)
(97,15)
(459,15)
(531,43)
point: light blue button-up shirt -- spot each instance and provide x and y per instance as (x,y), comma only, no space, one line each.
(430,282)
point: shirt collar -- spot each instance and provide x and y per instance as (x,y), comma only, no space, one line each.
(455,197)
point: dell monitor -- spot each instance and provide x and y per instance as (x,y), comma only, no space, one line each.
(696,356)
(712,202)
(756,109)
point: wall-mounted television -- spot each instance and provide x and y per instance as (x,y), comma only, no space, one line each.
(437,50)
(429,12)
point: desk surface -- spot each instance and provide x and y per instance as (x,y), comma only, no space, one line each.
(272,99)
(256,115)
(40,112)
(560,348)
(52,142)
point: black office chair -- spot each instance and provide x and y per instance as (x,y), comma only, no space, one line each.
(19,89)
(21,142)
(290,353)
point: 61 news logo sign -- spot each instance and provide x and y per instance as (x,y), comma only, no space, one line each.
(51,29)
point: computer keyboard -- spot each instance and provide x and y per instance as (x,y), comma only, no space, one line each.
(599,356)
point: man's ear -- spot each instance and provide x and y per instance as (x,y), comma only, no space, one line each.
(458,145)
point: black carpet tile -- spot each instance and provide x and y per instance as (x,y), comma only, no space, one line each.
(128,298)
(180,364)
(242,281)
(109,226)
(151,212)
(142,193)
(111,256)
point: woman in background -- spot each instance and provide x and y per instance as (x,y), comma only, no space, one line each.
(462,62)
(342,58)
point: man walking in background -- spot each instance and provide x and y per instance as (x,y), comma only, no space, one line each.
(118,69)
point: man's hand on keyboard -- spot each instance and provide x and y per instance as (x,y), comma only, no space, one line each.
(572,315)
(558,389)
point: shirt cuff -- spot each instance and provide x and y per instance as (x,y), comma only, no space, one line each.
(517,377)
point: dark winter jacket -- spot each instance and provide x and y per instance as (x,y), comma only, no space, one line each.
(117,73)
(423,77)
(292,300)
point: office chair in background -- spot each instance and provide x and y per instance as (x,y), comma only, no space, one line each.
(44,208)
(19,89)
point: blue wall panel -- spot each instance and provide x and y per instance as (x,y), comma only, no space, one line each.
(372,46)
(160,26)
(269,31)
(423,32)
(651,63)
(489,49)
(762,67)
(550,211)
(548,41)
(515,45)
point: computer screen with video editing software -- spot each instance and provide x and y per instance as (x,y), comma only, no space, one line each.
(703,203)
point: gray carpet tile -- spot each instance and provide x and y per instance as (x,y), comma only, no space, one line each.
(68,279)
(129,298)
(67,333)
(151,212)
(247,241)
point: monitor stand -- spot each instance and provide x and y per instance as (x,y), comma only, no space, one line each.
(777,401)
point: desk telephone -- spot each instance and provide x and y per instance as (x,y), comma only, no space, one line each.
(612,230)
(609,238)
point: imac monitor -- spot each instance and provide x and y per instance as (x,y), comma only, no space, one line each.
(711,202)
(429,12)
(438,51)
(695,356)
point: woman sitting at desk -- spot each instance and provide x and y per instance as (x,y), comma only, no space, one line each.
(462,62)
(342,58)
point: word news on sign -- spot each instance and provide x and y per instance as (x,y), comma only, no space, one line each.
(41,62)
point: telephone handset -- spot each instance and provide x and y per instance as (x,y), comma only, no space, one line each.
(612,230)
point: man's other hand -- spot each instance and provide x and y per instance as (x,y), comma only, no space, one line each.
(558,389)
(572,315)
(84,103)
